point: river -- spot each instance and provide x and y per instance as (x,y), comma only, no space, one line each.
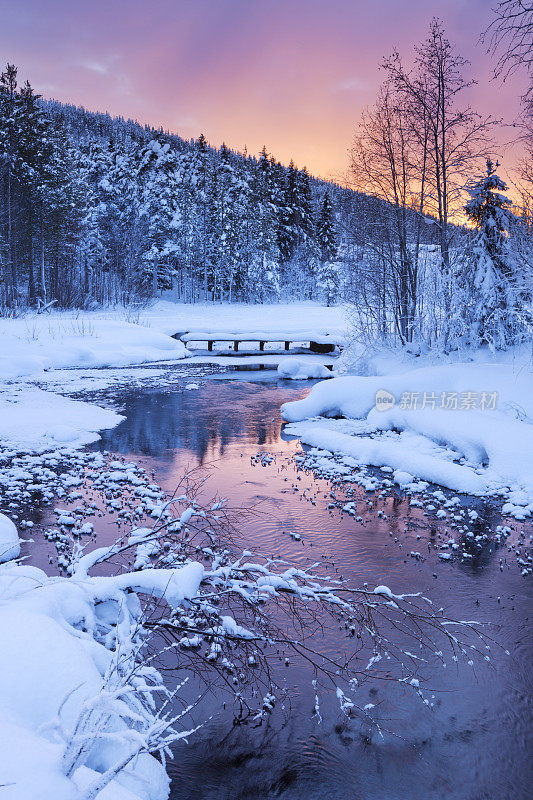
(471,744)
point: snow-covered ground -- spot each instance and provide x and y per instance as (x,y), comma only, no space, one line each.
(276,319)
(467,427)
(35,343)
(32,419)
(53,668)
(120,338)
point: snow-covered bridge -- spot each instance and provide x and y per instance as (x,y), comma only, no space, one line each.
(314,341)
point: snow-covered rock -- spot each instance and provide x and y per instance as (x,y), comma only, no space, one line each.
(9,540)
(299,369)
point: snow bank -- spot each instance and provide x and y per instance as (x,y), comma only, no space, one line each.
(36,420)
(271,319)
(482,446)
(34,343)
(54,635)
(9,540)
(298,369)
(355,396)
(378,452)
(52,664)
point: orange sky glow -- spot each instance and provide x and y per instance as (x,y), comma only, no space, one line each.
(293,75)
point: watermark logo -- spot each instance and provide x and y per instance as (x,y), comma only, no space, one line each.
(384,400)
(452,401)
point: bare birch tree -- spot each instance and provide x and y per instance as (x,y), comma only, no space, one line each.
(457,136)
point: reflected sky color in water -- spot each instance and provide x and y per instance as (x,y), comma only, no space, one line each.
(473,744)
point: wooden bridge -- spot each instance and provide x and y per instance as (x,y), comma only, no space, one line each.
(318,342)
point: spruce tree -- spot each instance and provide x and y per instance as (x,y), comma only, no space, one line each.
(327,273)
(9,124)
(498,316)
(159,209)
(326,237)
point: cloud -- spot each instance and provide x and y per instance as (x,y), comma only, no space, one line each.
(351,84)
(94,66)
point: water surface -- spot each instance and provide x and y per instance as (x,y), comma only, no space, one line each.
(473,744)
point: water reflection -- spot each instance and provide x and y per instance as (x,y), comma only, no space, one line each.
(201,421)
(473,745)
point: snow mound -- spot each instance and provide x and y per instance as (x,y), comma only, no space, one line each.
(54,666)
(35,420)
(480,442)
(9,540)
(297,369)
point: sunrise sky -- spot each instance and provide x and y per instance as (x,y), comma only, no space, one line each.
(290,74)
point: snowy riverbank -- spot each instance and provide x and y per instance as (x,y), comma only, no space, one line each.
(467,427)
(36,347)
(120,337)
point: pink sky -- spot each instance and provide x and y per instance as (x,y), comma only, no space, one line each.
(290,74)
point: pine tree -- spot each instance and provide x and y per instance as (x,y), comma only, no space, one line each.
(62,214)
(497,313)
(326,236)
(263,271)
(9,108)
(327,273)
(281,199)
(199,178)
(159,208)
(35,157)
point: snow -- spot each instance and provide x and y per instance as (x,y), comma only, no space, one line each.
(49,625)
(33,419)
(272,319)
(174,585)
(253,335)
(481,450)
(34,343)
(9,539)
(260,360)
(38,345)
(298,369)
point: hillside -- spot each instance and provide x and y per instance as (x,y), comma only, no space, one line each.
(97,209)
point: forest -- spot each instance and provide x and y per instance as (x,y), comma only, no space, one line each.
(420,238)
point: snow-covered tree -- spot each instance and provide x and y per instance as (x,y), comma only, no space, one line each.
(497,308)
(96,209)
(159,207)
(328,281)
(327,274)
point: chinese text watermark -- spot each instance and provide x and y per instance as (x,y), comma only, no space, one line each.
(451,401)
